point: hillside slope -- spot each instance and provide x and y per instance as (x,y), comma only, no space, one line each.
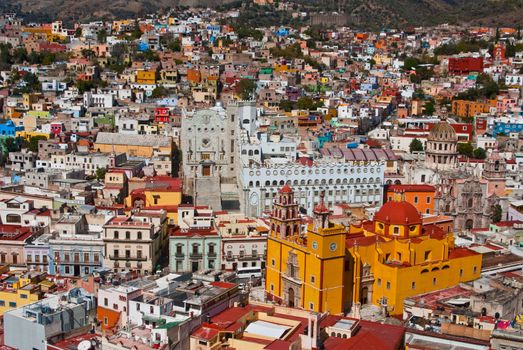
(361,13)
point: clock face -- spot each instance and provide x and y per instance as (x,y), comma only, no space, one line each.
(314,245)
(333,247)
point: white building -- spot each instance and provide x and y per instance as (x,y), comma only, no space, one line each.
(98,100)
(343,182)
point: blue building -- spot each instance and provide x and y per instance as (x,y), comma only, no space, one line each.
(74,250)
(9,129)
(326,137)
(507,126)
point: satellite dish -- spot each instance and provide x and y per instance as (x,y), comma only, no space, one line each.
(84,345)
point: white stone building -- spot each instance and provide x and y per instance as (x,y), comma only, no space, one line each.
(343,182)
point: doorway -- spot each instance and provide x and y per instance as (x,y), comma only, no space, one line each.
(291,297)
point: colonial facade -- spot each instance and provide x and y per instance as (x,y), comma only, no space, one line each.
(135,243)
(209,153)
(381,262)
(396,256)
(305,269)
(342,182)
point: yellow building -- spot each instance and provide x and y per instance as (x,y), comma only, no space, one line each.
(305,270)
(28,134)
(395,257)
(157,192)
(382,262)
(148,76)
(19,291)
(145,146)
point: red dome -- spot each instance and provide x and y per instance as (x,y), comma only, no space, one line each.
(286,189)
(398,213)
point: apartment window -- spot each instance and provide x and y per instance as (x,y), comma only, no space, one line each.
(461,273)
(427,255)
(116,253)
(106,321)
(37,258)
(139,234)
(416,199)
(428,200)
(313,279)
(138,254)
(413,285)
(115,306)
(137,307)
(29,258)
(2,303)
(273,262)
(396,231)
(211,249)
(272,288)
(127,235)
(12,304)
(96,257)
(116,234)
(86,257)
(66,257)
(379,282)
(311,306)
(195,249)
(475,269)
(23,296)
(388,285)
(44,259)
(76,257)
(179,249)
(67,270)
(434,281)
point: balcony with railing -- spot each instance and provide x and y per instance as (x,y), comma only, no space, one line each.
(127,257)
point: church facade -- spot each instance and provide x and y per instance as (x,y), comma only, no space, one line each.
(324,267)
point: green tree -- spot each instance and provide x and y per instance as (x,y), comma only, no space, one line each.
(246,89)
(20,55)
(308,103)
(466,149)
(78,32)
(430,108)
(497,213)
(32,143)
(286,105)
(175,45)
(100,173)
(87,53)
(415,146)
(32,83)
(101,36)
(119,50)
(136,33)
(159,92)
(480,153)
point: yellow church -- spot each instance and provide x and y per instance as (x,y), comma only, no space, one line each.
(327,268)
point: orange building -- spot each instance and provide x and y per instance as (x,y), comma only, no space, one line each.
(468,109)
(420,196)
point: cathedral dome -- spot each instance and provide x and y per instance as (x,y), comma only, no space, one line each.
(442,131)
(398,213)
